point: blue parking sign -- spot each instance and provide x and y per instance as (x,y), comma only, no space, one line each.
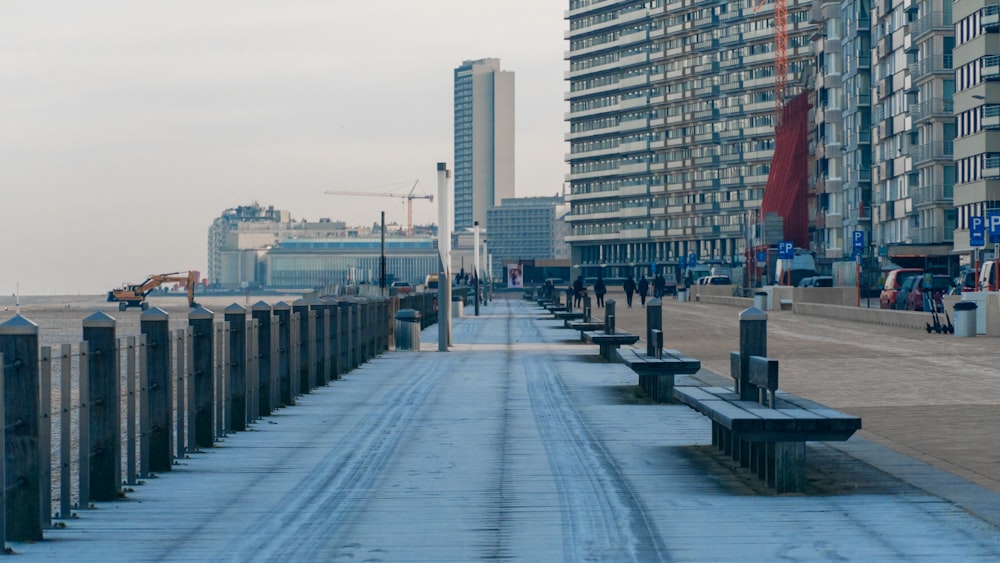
(692,259)
(993,220)
(785,250)
(977,231)
(683,262)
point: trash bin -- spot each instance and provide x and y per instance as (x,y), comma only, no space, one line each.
(682,294)
(457,306)
(408,329)
(760,300)
(965,318)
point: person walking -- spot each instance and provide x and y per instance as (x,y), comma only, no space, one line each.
(643,289)
(658,284)
(578,289)
(629,287)
(599,290)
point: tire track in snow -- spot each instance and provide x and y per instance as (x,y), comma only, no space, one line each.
(602,519)
(319,504)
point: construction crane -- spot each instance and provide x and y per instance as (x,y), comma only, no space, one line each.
(780,56)
(409,197)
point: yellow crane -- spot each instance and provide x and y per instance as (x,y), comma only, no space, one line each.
(409,197)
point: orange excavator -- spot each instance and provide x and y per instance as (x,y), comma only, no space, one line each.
(134,295)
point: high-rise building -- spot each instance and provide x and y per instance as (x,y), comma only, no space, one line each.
(977,115)
(913,129)
(671,126)
(484,139)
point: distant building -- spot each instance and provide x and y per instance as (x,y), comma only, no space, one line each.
(310,263)
(256,246)
(484,139)
(528,228)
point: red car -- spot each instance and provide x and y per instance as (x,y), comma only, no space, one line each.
(940,285)
(893,281)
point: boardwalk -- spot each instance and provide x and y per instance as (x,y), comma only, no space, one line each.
(516,444)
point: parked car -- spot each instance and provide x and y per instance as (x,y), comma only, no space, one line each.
(716,280)
(893,282)
(817,281)
(401,287)
(940,284)
(904,292)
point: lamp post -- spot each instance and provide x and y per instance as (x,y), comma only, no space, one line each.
(475,231)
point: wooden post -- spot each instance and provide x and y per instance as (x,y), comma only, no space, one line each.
(261,311)
(301,307)
(790,467)
(609,315)
(337,322)
(753,342)
(104,455)
(654,321)
(586,308)
(21,475)
(158,399)
(320,309)
(236,316)
(202,321)
(283,312)
(347,339)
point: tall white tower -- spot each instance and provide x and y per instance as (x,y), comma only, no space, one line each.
(484,139)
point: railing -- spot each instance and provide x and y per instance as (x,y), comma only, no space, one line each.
(163,394)
(934,107)
(938,150)
(930,65)
(935,194)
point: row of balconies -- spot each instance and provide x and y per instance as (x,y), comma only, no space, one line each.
(936,150)
(934,107)
(934,21)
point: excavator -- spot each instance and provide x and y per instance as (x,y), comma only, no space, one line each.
(134,295)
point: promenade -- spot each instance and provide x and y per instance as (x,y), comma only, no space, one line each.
(519,443)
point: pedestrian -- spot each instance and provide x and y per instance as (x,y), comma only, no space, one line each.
(578,290)
(599,290)
(643,289)
(629,287)
(658,284)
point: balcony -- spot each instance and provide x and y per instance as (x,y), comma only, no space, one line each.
(990,18)
(932,195)
(991,117)
(937,64)
(990,67)
(927,152)
(934,21)
(991,168)
(935,107)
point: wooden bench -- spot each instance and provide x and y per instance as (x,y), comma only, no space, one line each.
(567,316)
(656,373)
(767,435)
(584,326)
(609,342)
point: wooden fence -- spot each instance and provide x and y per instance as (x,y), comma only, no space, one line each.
(125,408)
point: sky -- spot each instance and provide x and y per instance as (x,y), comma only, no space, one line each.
(127,126)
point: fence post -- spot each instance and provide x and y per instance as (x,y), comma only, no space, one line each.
(201,321)
(104,399)
(283,312)
(261,311)
(236,316)
(753,342)
(21,475)
(347,338)
(319,337)
(609,316)
(337,326)
(654,321)
(158,398)
(301,306)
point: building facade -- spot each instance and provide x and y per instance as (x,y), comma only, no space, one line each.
(977,115)
(484,139)
(671,126)
(526,229)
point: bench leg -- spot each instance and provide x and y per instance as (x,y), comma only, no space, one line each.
(787,466)
(664,384)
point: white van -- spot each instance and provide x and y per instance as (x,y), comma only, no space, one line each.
(802,265)
(988,276)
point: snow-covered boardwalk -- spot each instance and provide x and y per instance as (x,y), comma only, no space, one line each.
(516,444)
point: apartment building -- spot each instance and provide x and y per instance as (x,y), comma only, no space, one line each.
(977,114)
(671,126)
(484,139)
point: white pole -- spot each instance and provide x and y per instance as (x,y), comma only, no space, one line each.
(444,249)
(479,277)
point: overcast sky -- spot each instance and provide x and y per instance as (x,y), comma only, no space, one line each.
(127,126)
